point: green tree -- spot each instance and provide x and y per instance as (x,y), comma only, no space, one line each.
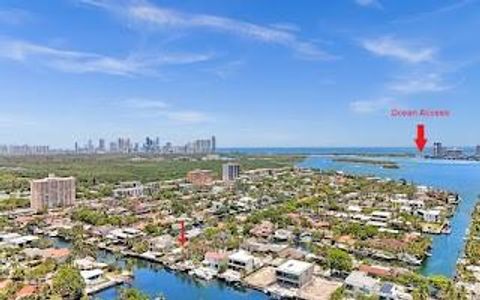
(420,293)
(338,259)
(339,294)
(132,294)
(68,283)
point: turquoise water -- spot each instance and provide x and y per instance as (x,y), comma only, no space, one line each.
(461,177)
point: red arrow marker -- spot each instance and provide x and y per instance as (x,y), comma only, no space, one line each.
(421,141)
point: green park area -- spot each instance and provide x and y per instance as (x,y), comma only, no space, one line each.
(92,170)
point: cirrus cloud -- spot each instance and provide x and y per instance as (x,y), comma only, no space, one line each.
(155,16)
(72,61)
(400,50)
(431,82)
(371,106)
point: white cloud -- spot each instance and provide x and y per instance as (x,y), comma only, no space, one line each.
(449,8)
(369,3)
(87,62)
(431,82)
(371,106)
(159,17)
(390,47)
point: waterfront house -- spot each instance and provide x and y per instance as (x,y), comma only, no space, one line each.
(91,276)
(430,215)
(215,260)
(241,261)
(294,273)
(162,243)
(360,283)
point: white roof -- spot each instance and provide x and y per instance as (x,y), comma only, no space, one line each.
(131,230)
(360,280)
(293,266)
(429,211)
(354,208)
(9,235)
(91,273)
(23,239)
(382,213)
(377,224)
(241,255)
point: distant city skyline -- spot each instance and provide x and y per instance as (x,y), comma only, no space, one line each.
(256,73)
(118,145)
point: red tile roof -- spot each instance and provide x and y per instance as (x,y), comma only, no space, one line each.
(376,270)
(56,253)
(25,291)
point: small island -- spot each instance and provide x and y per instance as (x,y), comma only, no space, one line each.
(383,163)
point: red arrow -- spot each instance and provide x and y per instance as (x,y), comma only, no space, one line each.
(421,141)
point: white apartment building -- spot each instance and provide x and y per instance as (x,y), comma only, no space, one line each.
(230,171)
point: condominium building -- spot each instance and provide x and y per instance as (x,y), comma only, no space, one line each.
(52,192)
(230,171)
(438,149)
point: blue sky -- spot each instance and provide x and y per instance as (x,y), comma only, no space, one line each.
(252,72)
